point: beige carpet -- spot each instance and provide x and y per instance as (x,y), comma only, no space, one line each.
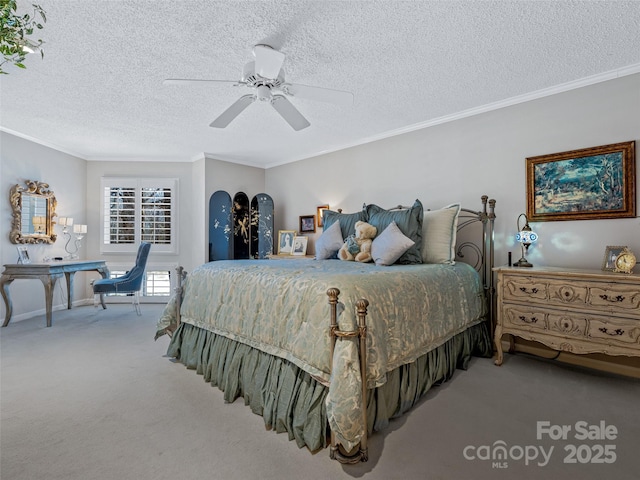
(94,398)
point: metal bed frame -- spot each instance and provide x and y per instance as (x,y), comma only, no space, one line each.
(478,254)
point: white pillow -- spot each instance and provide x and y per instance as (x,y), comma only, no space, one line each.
(439,229)
(390,245)
(329,243)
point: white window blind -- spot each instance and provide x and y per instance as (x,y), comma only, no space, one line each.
(139,210)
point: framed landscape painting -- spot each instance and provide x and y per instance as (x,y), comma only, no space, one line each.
(591,183)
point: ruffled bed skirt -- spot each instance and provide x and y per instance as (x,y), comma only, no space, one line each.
(292,401)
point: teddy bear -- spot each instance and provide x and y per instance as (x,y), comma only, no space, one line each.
(358,247)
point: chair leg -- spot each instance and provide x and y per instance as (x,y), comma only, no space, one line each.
(99,297)
(95,298)
(136,303)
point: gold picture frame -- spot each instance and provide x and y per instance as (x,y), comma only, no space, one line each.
(33,200)
(587,184)
(319,213)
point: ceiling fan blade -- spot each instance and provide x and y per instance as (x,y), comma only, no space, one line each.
(183,81)
(233,111)
(328,95)
(268,61)
(292,116)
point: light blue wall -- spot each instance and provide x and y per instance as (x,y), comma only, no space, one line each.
(483,154)
(66,175)
(456,161)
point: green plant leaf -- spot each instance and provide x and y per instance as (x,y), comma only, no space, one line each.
(14,30)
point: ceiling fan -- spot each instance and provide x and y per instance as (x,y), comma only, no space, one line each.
(265,76)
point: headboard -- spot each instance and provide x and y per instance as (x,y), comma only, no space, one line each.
(474,245)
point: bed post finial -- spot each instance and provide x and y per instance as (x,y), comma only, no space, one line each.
(333,295)
(492,208)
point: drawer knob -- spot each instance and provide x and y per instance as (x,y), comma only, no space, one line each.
(528,320)
(612,299)
(613,333)
(529,290)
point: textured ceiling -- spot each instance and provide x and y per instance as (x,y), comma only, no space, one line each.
(98,93)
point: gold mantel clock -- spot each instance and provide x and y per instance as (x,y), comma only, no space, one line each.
(625,261)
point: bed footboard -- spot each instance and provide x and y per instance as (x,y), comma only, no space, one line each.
(360,453)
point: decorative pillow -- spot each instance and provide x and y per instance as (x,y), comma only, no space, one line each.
(409,221)
(439,234)
(329,243)
(347,221)
(389,246)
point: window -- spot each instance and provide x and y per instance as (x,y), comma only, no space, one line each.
(139,210)
(156,283)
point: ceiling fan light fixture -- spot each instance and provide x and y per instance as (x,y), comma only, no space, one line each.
(263,93)
(268,61)
(266,77)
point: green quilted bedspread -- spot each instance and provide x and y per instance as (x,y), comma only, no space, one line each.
(281,307)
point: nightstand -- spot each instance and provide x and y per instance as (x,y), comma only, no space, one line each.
(572,310)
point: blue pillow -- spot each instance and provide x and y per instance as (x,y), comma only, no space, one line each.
(329,243)
(347,221)
(389,246)
(408,220)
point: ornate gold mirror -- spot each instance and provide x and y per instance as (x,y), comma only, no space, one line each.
(34,207)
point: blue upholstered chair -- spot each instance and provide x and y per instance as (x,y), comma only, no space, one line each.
(130,282)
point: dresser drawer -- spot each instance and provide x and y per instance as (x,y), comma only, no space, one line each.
(614,331)
(525,288)
(563,324)
(617,298)
(613,298)
(549,321)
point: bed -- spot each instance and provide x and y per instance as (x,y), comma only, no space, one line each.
(329,351)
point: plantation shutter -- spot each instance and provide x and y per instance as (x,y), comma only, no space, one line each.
(156,215)
(120,220)
(138,210)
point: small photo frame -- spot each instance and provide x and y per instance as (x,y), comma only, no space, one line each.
(23,254)
(320,213)
(307,224)
(610,255)
(299,246)
(285,241)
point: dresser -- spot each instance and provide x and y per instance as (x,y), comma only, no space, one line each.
(572,310)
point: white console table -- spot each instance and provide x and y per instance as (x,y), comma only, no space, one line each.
(48,274)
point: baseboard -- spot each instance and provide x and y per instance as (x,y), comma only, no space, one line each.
(627,366)
(55,308)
